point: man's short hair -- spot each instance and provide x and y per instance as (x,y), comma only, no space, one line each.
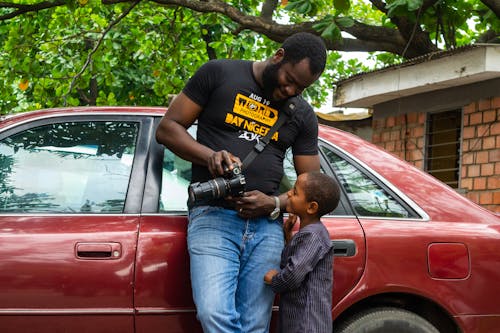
(305,45)
(324,190)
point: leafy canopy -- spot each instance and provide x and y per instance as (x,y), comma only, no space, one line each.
(119,52)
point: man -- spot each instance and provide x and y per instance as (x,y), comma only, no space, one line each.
(233,242)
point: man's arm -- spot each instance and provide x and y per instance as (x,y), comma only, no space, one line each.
(305,163)
(172,133)
(302,163)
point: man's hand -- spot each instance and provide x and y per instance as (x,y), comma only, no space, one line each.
(220,159)
(253,204)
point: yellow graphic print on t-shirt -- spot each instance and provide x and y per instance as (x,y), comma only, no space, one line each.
(258,113)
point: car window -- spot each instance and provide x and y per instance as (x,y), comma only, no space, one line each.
(290,176)
(70,167)
(176,176)
(367,197)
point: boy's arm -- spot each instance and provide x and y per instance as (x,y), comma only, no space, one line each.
(306,252)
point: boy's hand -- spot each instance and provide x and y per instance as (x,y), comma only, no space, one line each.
(268,278)
(288,226)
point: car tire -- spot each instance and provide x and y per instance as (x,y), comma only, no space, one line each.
(386,320)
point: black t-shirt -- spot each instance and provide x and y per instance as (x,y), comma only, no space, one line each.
(236,114)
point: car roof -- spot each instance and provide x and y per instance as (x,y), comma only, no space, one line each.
(7,120)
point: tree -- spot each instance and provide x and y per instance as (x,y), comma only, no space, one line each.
(122,52)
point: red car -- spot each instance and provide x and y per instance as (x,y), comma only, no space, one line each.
(93,233)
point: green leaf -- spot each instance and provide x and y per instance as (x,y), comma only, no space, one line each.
(331,32)
(414,5)
(342,5)
(344,22)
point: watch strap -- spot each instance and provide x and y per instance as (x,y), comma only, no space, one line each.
(277,209)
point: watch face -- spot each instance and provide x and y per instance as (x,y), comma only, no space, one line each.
(274,214)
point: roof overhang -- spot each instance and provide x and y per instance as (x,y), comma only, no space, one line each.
(428,73)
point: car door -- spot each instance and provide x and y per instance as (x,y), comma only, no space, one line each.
(163,299)
(69,213)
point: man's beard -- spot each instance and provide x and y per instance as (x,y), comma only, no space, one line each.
(270,79)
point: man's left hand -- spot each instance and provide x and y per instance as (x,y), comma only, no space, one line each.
(253,204)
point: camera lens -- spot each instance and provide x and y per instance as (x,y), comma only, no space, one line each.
(217,188)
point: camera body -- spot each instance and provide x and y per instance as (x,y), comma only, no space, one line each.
(231,183)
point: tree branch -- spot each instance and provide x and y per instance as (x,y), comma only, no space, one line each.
(96,47)
(22,9)
(409,39)
(268,8)
(494,5)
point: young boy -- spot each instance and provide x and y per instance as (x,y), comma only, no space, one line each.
(305,280)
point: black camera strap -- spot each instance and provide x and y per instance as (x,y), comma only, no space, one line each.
(262,143)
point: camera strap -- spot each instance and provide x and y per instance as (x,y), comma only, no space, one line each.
(262,143)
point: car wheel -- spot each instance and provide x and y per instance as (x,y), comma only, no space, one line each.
(386,320)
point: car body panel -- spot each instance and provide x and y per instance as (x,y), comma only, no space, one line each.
(388,262)
(348,269)
(163,289)
(44,281)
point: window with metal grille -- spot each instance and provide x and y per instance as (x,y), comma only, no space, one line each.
(443,146)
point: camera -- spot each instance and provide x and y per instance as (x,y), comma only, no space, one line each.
(231,183)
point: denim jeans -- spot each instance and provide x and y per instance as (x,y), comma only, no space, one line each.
(229,257)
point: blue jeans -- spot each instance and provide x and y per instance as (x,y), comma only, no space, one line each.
(229,258)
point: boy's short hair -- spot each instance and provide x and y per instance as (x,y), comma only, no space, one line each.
(305,45)
(324,190)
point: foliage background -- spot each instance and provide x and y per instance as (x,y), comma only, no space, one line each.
(87,52)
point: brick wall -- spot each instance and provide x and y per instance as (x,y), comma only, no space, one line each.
(403,135)
(481,153)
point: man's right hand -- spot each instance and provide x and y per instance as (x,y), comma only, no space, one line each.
(220,159)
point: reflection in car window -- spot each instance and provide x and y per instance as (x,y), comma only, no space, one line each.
(290,175)
(176,176)
(366,196)
(72,167)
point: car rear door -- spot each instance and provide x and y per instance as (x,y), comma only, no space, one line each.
(70,190)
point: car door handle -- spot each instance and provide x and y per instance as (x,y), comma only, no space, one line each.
(344,247)
(98,250)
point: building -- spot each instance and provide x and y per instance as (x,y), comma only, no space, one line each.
(440,112)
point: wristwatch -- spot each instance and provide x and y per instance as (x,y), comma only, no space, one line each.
(276,211)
